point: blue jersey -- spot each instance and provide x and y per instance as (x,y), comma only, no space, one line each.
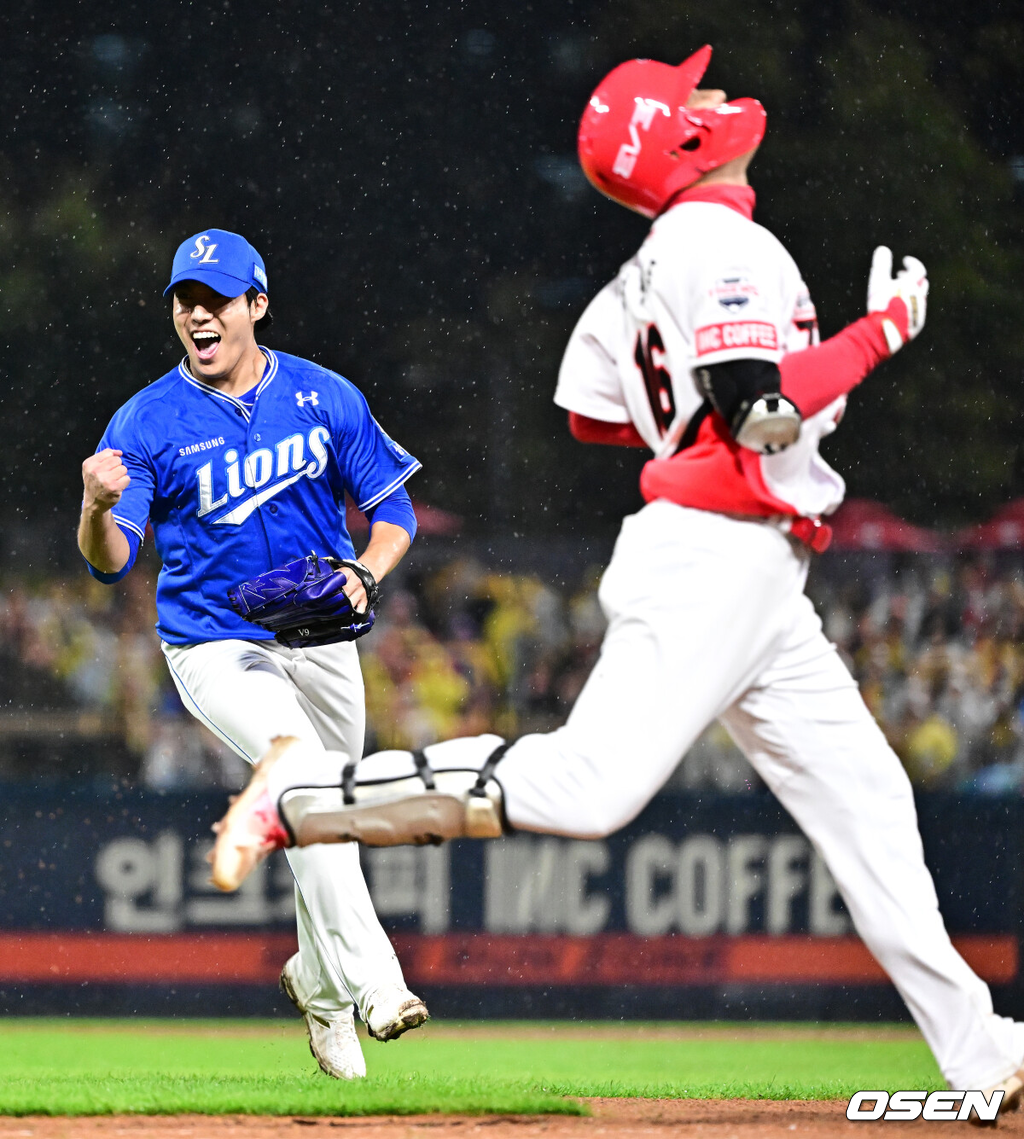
(233,487)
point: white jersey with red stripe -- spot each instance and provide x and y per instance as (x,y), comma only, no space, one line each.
(708,286)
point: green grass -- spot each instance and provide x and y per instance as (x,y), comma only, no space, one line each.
(95,1067)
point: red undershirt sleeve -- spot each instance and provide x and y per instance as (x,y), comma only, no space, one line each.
(588,430)
(815,377)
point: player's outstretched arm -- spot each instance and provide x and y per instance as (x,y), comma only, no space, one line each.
(104,479)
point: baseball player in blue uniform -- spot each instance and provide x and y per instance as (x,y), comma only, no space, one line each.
(239,459)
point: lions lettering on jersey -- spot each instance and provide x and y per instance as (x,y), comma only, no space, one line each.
(287,459)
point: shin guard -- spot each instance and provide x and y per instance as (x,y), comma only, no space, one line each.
(429,807)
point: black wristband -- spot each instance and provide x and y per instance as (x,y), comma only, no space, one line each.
(367,578)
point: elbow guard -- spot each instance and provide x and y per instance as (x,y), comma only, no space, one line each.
(747,394)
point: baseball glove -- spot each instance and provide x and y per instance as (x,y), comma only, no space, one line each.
(303,603)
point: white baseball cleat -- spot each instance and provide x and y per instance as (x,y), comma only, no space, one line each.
(252,828)
(392,1010)
(332,1040)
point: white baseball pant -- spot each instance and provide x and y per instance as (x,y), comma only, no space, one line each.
(708,619)
(247,692)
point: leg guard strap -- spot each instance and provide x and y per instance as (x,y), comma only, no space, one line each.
(423,769)
(350,770)
(480,787)
(348,783)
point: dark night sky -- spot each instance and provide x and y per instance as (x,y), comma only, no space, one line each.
(408,172)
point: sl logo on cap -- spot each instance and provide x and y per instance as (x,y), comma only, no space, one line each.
(205,252)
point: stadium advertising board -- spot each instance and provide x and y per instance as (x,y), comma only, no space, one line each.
(709,891)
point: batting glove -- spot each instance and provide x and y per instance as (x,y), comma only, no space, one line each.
(901,300)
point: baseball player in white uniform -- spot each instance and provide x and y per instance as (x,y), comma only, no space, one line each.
(239,459)
(704,349)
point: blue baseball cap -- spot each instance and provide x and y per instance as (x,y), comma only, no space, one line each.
(225,261)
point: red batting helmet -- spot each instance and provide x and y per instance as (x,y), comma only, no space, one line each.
(639,144)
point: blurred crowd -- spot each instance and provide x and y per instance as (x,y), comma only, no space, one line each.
(937,646)
(938,652)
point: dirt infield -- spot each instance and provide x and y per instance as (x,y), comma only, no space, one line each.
(611,1119)
(645,1030)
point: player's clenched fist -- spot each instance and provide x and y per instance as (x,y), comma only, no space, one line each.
(105,478)
(901,300)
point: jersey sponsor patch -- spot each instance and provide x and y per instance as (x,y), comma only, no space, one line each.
(739,334)
(734,292)
(195,448)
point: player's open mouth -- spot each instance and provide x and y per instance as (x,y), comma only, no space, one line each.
(206,345)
